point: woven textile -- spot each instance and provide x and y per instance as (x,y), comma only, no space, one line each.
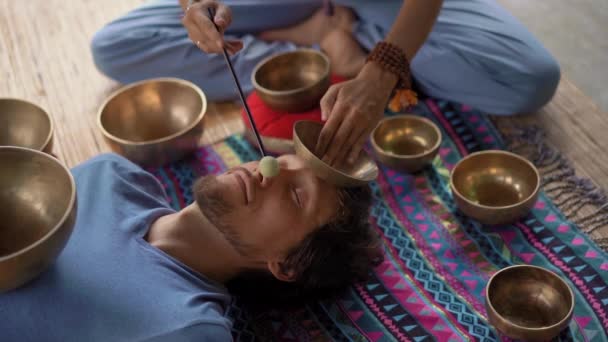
(437,261)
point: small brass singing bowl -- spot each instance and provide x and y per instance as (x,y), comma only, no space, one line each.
(154,122)
(361,172)
(528,303)
(495,187)
(37,213)
(292,81)
(406,142)
(25,124)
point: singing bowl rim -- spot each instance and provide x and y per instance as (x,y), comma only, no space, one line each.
(346,179)
(66,214)
(49,137)
(567,317)
(426,121)
(125,88)
(271,92)
(532,195)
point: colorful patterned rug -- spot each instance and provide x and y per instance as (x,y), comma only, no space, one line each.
(437,262)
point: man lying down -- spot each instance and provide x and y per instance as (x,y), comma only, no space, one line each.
(136,270)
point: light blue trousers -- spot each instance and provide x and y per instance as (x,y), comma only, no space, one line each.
(477,54)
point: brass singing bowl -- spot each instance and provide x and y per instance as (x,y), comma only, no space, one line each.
(528,303)
(495,187)
(37,213)
(25,124)
(305,136)
(292,81)
(406,142)
(154,122)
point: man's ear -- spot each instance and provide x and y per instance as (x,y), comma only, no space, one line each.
(279,271)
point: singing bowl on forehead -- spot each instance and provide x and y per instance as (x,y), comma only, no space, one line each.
(155,121)
(528,303)
(24,124)
(406,142)
(305,136)
(292,81)
(495,187)
(37,213)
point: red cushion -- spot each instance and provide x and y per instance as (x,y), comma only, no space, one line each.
(279,124)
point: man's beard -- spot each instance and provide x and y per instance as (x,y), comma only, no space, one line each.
(211,201)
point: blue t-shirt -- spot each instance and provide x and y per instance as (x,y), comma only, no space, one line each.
(109,284)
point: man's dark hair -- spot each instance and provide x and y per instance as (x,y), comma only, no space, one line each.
(326,262)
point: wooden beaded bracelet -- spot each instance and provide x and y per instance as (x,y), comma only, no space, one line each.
(393,59)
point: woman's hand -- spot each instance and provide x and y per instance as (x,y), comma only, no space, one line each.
(202,30)
(352,110)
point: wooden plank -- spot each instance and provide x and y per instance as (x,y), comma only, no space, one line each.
(576,127)
(48,61)
(222,120)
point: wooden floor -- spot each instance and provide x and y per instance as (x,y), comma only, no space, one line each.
(45,58)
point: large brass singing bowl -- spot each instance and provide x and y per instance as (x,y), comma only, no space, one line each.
(154,122)
(292,81)
(25,124)
(305,136)
(37,213)
(528,303)
(406,142)
(495,187)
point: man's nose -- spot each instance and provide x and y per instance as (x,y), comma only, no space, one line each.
(262,181)
(266,182)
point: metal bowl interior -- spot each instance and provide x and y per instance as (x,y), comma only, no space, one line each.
(495,179)
(305,136)
(291,72)
(24,124)
(406,136)
(527,297)
(152,111)
(37,194)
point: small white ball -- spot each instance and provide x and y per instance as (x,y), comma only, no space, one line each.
(269,167)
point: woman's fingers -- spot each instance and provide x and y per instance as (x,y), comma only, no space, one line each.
(329,129)
(208,30)
(234,46)
(223,16)
(207,33)
(340,127)
(347,136)
(195,34)
(351,146)
(357,146)
(328,101)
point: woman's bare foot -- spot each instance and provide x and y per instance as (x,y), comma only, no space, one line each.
(314,29)
(345,54)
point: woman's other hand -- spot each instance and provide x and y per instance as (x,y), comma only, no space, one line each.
(203,32)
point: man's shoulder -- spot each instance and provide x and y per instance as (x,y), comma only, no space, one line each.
(114,173)
(112,166)
(109,159)
(200,331)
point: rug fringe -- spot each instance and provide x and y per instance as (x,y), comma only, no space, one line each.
(569,192)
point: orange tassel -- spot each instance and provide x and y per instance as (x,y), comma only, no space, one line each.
(403,99)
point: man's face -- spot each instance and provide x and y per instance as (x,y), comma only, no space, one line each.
(264,218)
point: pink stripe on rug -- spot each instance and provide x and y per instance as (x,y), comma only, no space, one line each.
(426,250)
(386,321)
(431,104)
(404,269)
(580,284)
(352,321)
